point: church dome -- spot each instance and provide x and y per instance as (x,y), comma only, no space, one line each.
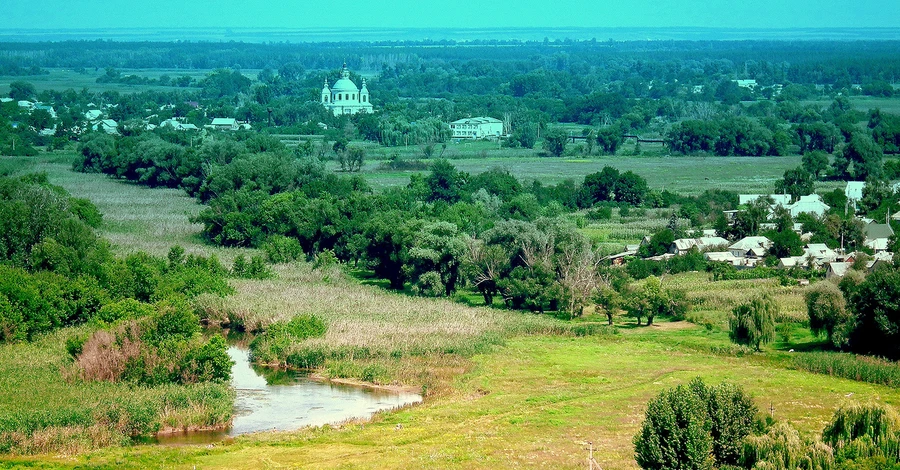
(344,84)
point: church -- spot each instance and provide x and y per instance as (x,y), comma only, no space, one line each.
(344,97)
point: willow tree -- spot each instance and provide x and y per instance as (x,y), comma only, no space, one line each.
(753,323)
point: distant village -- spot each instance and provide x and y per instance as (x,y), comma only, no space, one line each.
(751,251)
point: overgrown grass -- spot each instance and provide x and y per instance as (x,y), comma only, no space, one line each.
(45,408)
(366,321)
(850,366)
(534,403)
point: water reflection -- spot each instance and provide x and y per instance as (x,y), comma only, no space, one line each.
(270,400)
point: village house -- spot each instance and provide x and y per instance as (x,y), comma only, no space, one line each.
(107,125)
(178,125)
(344,97)
(781,200)
(685,245)
(93,114)
(854,192)
(723,257)
(224,124)
(811,204)
(878,236)
(476,128)
(837,269)
(751,247)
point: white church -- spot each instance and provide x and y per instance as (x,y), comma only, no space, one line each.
(344,97)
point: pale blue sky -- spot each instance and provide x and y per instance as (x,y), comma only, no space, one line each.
(78,14)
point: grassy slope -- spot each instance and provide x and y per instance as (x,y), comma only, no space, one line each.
(532,403)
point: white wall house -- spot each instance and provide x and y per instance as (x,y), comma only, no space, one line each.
(344,97)
(476,128)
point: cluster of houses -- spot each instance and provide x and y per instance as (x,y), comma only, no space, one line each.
(96,118)
(751,251)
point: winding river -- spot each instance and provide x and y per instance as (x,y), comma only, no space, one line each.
(275,400)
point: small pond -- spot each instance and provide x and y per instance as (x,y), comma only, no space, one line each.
(277,400)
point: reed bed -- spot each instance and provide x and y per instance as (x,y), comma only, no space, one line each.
(44,408)
(850,366)
(367,320)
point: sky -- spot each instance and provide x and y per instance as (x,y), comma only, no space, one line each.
(87,14)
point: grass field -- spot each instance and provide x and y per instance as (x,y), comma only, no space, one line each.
(684,174)
(526,398)
(65,79)
(534,403)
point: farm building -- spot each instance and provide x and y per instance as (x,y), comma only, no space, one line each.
(344,97)
(723,257)
(178,125)
(476,128)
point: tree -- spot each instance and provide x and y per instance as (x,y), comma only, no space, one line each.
(444,182)
(675,433)
(434,259)
(863,155)
(828,313)
(354,156)
(875,303)
(608,301)
(389,235)
(796,182)
(631,189)
(555,141)
(609,138)
(753,323)
(785,243)
(483,265)
(659,244)
(19,90)
(652,300)
(815,162)
(600,186)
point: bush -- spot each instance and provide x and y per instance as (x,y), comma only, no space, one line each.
(277,343)
(675,432)
(695,426)
(254,269)
(281,249)
(123,309)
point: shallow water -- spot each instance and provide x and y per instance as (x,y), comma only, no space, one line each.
(270,400)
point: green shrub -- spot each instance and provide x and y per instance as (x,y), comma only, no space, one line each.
(174,318)
(675,432)
(124,309)
(254,269)
(281,249)
(207,362)
(277,343)
(695,426)
(86,211)
(325,259)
